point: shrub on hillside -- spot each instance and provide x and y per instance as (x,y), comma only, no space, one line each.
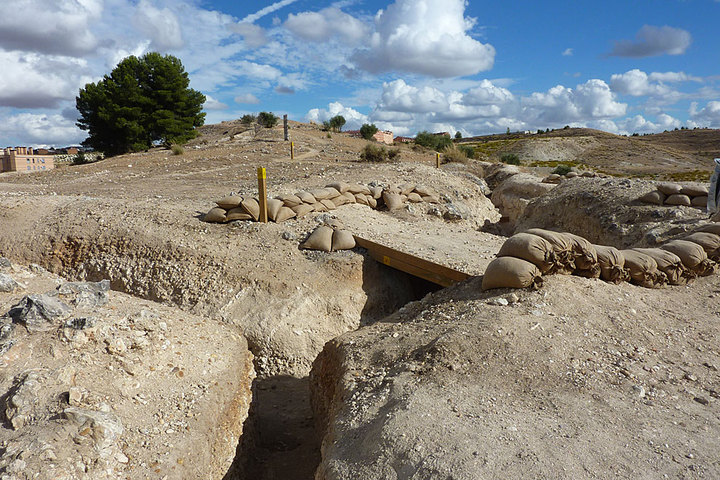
(177,150)
(248,119)
(454,154)
(378,153)
(510,159)
(562,169)
(467,150)
(435,142)
(267,119)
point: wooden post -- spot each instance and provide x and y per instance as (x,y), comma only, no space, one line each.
(437,160)
(292,150)
(285,127)
(262,195)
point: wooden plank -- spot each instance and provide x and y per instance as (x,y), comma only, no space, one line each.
(419,267)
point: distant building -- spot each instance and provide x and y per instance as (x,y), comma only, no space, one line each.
(24,159)
(399,139)
(442,134)
(384,136)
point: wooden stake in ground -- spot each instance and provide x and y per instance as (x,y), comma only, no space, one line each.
(262,195)
(292,150)
(437,160)
(285,127)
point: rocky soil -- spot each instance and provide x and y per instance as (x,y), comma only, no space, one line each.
(407,385)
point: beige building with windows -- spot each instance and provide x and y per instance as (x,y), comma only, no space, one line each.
(24,159)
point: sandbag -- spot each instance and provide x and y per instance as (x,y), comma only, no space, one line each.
(692,255)
(678,199)
(511,272)
(251,207)
(532,248)
(564,256)
(670,264)
(328,204)
(612,264)
(430,198)
(422,190)
(357,188)
(302,209)
(361,199)
(669,188)
(700,201)
(285,213)
(306,197)
(340,200)
(341,187)
(584,256)
(414,197)
(237,213)
(393,201)
(319,239)
(643,269)
(655,197)
(290,200)
(376,192)
(349,197)
(372,203)
(320,193)
(215,215)
(342,240)
(694,190)
(708,241)
(713,203)
(229,202)
(710,228)
(273,207)
(332,192)
(319,207)
(406,188)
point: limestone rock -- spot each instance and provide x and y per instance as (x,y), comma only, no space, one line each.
(39,312)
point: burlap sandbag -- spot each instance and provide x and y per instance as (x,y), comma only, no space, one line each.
(332,192)
(692,255)
(215,215)
(238,213)
(341,187)
(612,264)
(669,188)
(350,197)
(328,204)
(406,188)
(342,240)
(678,199)
(229,202)
(584,256)
(285,213)
(273,207)
(708,241)
(700,201)
(670,264)
(695,190)
(414,197)
(361,199)
(319,239)
(710,228)
(532,248)
(319,207)
(372,203)
(302,209)
(320,193)
(655,197)
(251,207)
(376,192)
(643,269)
(393,201)
(290,200)
(430,198)
(564,256)
(357,188)
(306,197)
(340,200)
(422,190)
(511,272)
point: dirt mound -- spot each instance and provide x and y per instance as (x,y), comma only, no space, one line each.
(606,211)
(581,376)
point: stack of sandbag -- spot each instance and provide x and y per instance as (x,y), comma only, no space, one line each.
(612,264)
(324,199)
(328,239)
(692,255)
(708,237)
(643,269)
(540,252)
(673,194)
(556,178)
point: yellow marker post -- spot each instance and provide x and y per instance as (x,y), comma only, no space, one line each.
(292,150)
(262,194)
(437,160)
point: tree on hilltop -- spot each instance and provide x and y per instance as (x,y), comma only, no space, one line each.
(143,101)
(368,130)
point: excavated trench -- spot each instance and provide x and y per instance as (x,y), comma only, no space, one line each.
(279,439)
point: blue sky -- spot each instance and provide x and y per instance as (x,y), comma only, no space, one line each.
(405,65)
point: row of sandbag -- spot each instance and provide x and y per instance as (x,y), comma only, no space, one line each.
(329,239)
(284,207)
(525,257)
(673,194)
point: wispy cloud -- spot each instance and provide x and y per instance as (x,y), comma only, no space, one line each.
(651,41)
(267,10)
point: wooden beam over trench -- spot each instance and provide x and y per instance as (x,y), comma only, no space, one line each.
(418,267)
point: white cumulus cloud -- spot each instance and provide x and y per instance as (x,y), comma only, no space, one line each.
(353,118)
(326,24)
(247,98)
(651,41)
(160,26)
(591,100)
(428,37)
(708,116)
